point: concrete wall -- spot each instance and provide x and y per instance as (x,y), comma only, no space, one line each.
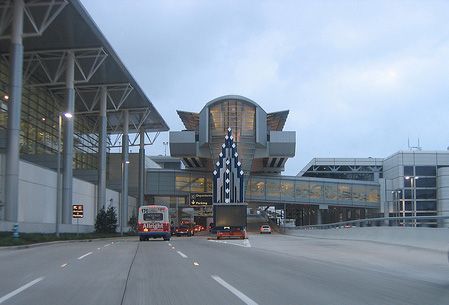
(429,238)
(37,200)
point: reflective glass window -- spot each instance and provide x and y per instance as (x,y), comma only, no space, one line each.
(426,194)
(344,192)
(359,192)
(287,189)
(302,190)
(182,183)
(257,187)
(316,191)
(426,205)
(198,184)
(372,193)
(273,188)
(330,191)
(426,182)
(408,171)
(425,171)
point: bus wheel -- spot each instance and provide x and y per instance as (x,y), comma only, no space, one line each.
(141,238)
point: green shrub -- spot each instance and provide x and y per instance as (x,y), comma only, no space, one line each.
(106,221)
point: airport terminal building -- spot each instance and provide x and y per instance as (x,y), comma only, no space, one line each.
(67,102)
(407,183)
(264,148)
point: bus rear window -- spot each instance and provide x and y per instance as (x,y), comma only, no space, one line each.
(153,216)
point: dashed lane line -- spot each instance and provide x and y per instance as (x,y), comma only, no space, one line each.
(182,254)
(20,289)
(83,256)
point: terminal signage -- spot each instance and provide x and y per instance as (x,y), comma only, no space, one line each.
(77,211)
(200,199)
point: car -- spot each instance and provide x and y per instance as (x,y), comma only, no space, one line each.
(185,230)
(265,229)
(198,228)
(231,232)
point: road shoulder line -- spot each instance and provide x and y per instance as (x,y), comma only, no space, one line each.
(243,297)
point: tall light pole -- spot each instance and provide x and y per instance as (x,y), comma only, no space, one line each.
(165,147)
(413,185)
(397,202)
(67,115)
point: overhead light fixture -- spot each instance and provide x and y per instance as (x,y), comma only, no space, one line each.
(6,97)
(43,119)
(127,162)
(68,115)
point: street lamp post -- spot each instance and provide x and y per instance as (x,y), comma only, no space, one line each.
(397,203)
(413,185)
(58,171)
(165,148)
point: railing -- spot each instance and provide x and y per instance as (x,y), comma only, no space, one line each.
(402,221)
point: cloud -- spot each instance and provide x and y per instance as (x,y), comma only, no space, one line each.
(359,77)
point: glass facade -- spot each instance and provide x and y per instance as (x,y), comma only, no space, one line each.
(262,189)
(277,189)
(39,125)
(419,195)
(240,116)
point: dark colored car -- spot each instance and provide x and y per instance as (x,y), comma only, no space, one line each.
(184,230)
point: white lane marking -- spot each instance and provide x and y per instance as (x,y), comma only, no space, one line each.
(234,290)
(196,264)
(169,244)
(63,265)
(83,256)
(20,289)
(182,254)
(246,243)
(98,248)
(173,248)
(106,245)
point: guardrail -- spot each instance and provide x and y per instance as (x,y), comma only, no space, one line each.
(397,221)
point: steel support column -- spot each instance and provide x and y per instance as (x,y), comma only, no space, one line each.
(141,168)
(101,199)
(14,108)
(318,216)
(125,163)
(67,177)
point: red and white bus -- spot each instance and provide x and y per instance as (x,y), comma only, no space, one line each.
(153,222)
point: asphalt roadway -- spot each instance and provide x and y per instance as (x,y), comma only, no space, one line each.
(269,269)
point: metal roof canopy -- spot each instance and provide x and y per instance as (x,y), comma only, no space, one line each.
(73,29)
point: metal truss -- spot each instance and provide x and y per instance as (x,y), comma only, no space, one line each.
(49,65)
(352,168)
(38,15)
(114,139)
(89,96)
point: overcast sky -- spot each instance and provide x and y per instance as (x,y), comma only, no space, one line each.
(359,77)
